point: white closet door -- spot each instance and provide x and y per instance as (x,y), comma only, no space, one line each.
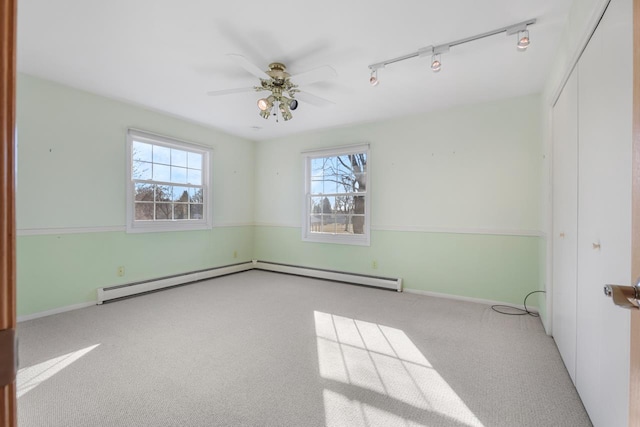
(565,222)
(604,216)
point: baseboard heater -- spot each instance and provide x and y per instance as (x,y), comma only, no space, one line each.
(129,289)
(338,276)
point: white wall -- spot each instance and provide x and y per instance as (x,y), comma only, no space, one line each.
(474,167)
(72,158)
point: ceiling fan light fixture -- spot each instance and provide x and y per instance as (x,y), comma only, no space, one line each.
(284,110)
(523,40)
(265,114)
(264,104)
(293,104)
(436,65)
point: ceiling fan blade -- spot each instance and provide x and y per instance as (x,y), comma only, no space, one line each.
(249,66)
(315,75)
(313,99)
(230,91)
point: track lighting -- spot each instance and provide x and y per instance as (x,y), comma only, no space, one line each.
(523,40)
(373,80)
(436,65)
(435,51)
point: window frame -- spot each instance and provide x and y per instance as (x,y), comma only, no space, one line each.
(144,226)
(347,239)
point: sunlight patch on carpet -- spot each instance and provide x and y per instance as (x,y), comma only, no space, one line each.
(32,376)
(382,371)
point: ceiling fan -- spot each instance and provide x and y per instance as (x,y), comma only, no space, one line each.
(283,86)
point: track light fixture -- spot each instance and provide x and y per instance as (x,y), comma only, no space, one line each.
(435,51)
(436,65)
(523,40)
(373,80)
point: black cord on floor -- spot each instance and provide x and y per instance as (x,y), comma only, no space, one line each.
(517,311)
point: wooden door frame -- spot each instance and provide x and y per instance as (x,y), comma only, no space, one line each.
(634,371)
(8,403)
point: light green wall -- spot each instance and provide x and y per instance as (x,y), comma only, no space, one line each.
(71,182)
(66,269)
(498,268)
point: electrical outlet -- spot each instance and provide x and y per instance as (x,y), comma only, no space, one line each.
(374,264)
(235,254)
(121,271)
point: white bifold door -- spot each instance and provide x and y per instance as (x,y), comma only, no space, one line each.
(592,146)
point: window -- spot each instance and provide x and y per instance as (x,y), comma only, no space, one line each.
(336,199)
(168,183)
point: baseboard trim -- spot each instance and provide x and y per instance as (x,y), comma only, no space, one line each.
(338,276)
(55,311)
(359,279)
(130,289)
(467,299)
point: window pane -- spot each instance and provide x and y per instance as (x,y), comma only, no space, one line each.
(195,195)
(141,170)
(144,192)
(161,173)
(360,183)
(322,205)
(161,155)
(178,158)
(317,185)
(181,211)
(330,184)
(163,211)
(163,193)
(343,224)
(317,167)
(343,165)
(357,222)
(141,151)
(194,161)
(180,194)
(178,175)
(194,176)
(196,211)
(144,211)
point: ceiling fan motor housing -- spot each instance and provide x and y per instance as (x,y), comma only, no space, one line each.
(278,72)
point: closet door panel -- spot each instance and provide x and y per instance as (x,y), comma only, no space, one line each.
(604,216)
(565,222)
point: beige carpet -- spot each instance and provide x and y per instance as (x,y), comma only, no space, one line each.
(265,349)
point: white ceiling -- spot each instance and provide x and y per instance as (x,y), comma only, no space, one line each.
(166,54)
